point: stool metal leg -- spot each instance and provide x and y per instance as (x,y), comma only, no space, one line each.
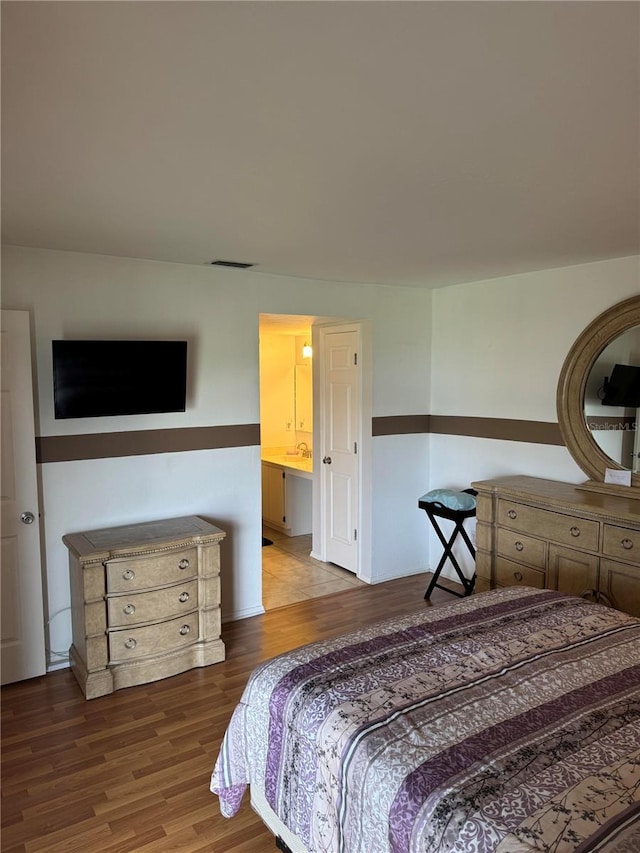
(447,544)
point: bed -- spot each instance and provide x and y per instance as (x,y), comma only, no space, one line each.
(507,721)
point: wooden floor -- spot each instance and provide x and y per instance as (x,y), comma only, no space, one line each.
(130,771)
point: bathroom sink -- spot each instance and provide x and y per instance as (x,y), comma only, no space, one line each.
(291,461)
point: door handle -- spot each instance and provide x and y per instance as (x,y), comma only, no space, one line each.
(27,518)
(327,460)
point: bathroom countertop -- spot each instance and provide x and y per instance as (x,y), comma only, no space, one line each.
(299,464)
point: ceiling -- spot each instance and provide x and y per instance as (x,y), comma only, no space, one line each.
(410,143)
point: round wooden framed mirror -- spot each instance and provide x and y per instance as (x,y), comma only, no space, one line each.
(613,336)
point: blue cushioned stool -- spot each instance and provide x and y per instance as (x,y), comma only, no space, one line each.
(456,507)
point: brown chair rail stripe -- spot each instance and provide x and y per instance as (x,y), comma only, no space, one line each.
(66,448)
(105,445)
(506,429)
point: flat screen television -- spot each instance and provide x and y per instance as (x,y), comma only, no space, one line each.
(93,379)
(623,387)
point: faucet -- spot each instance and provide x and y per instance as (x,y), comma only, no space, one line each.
(303,447)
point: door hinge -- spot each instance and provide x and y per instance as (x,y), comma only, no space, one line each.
(355,358)
(355,446)
(284,518)
(283,475)
(355,535)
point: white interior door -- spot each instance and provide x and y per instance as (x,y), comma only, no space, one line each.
(340,437)
(22,638)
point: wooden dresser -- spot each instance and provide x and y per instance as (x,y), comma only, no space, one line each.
(555,535)
(145,602)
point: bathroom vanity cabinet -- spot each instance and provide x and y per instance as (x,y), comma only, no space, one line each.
(286,498)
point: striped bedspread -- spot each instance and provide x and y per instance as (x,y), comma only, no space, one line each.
(508,721)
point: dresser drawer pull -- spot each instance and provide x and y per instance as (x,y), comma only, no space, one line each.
(519,546)
(129,609)
(574,531)
(183,564)
(512,513)
(518,576)
(184,596)
(185,630)
(130,643)
(128,575)
(627,544)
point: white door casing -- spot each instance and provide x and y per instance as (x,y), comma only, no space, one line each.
(340,440)
(22,642)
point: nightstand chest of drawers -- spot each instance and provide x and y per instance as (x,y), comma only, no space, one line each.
(556,535)
(145,602)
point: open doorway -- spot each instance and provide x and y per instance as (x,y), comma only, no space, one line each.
(296,559)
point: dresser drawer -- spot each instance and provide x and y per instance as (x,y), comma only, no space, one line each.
(514,574)
(124,575)
(524,549)
(135,643)
(565,529)
(140,607)
(622,543)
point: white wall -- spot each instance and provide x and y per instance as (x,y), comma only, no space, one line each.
(76,295)
(498,348)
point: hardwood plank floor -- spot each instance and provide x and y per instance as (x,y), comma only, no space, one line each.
(130,771)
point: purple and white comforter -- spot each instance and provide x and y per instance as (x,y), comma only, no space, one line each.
(507,721)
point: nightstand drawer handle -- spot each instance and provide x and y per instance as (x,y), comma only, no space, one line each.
(512,513)
(518,576)
(185,630)
(627,544)
(183,564)
(184,596)
(129,609)
(574,531)
(128,575)
(519,546)
(130,643)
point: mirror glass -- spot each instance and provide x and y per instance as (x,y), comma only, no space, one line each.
(303,398)
(614,427)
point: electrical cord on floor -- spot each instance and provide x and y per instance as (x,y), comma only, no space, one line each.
(64,655)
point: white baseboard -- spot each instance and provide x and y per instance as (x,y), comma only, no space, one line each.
(53,666)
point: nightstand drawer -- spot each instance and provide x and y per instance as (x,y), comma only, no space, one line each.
(622,543)
(513,574)
(136,643)
(554,526)
(524,549)
(127,574)
(137,608)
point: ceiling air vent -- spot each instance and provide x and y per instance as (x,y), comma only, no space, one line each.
(238,265)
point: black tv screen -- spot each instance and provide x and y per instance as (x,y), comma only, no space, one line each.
(93,379)
(623,387)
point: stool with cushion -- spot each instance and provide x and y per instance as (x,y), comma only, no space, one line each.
(453,506)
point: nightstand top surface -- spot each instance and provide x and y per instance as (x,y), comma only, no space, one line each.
(188,530)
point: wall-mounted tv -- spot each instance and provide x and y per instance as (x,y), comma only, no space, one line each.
(623,387)
(93,379)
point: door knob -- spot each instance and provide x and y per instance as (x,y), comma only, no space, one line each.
(327,460)
(27,518)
